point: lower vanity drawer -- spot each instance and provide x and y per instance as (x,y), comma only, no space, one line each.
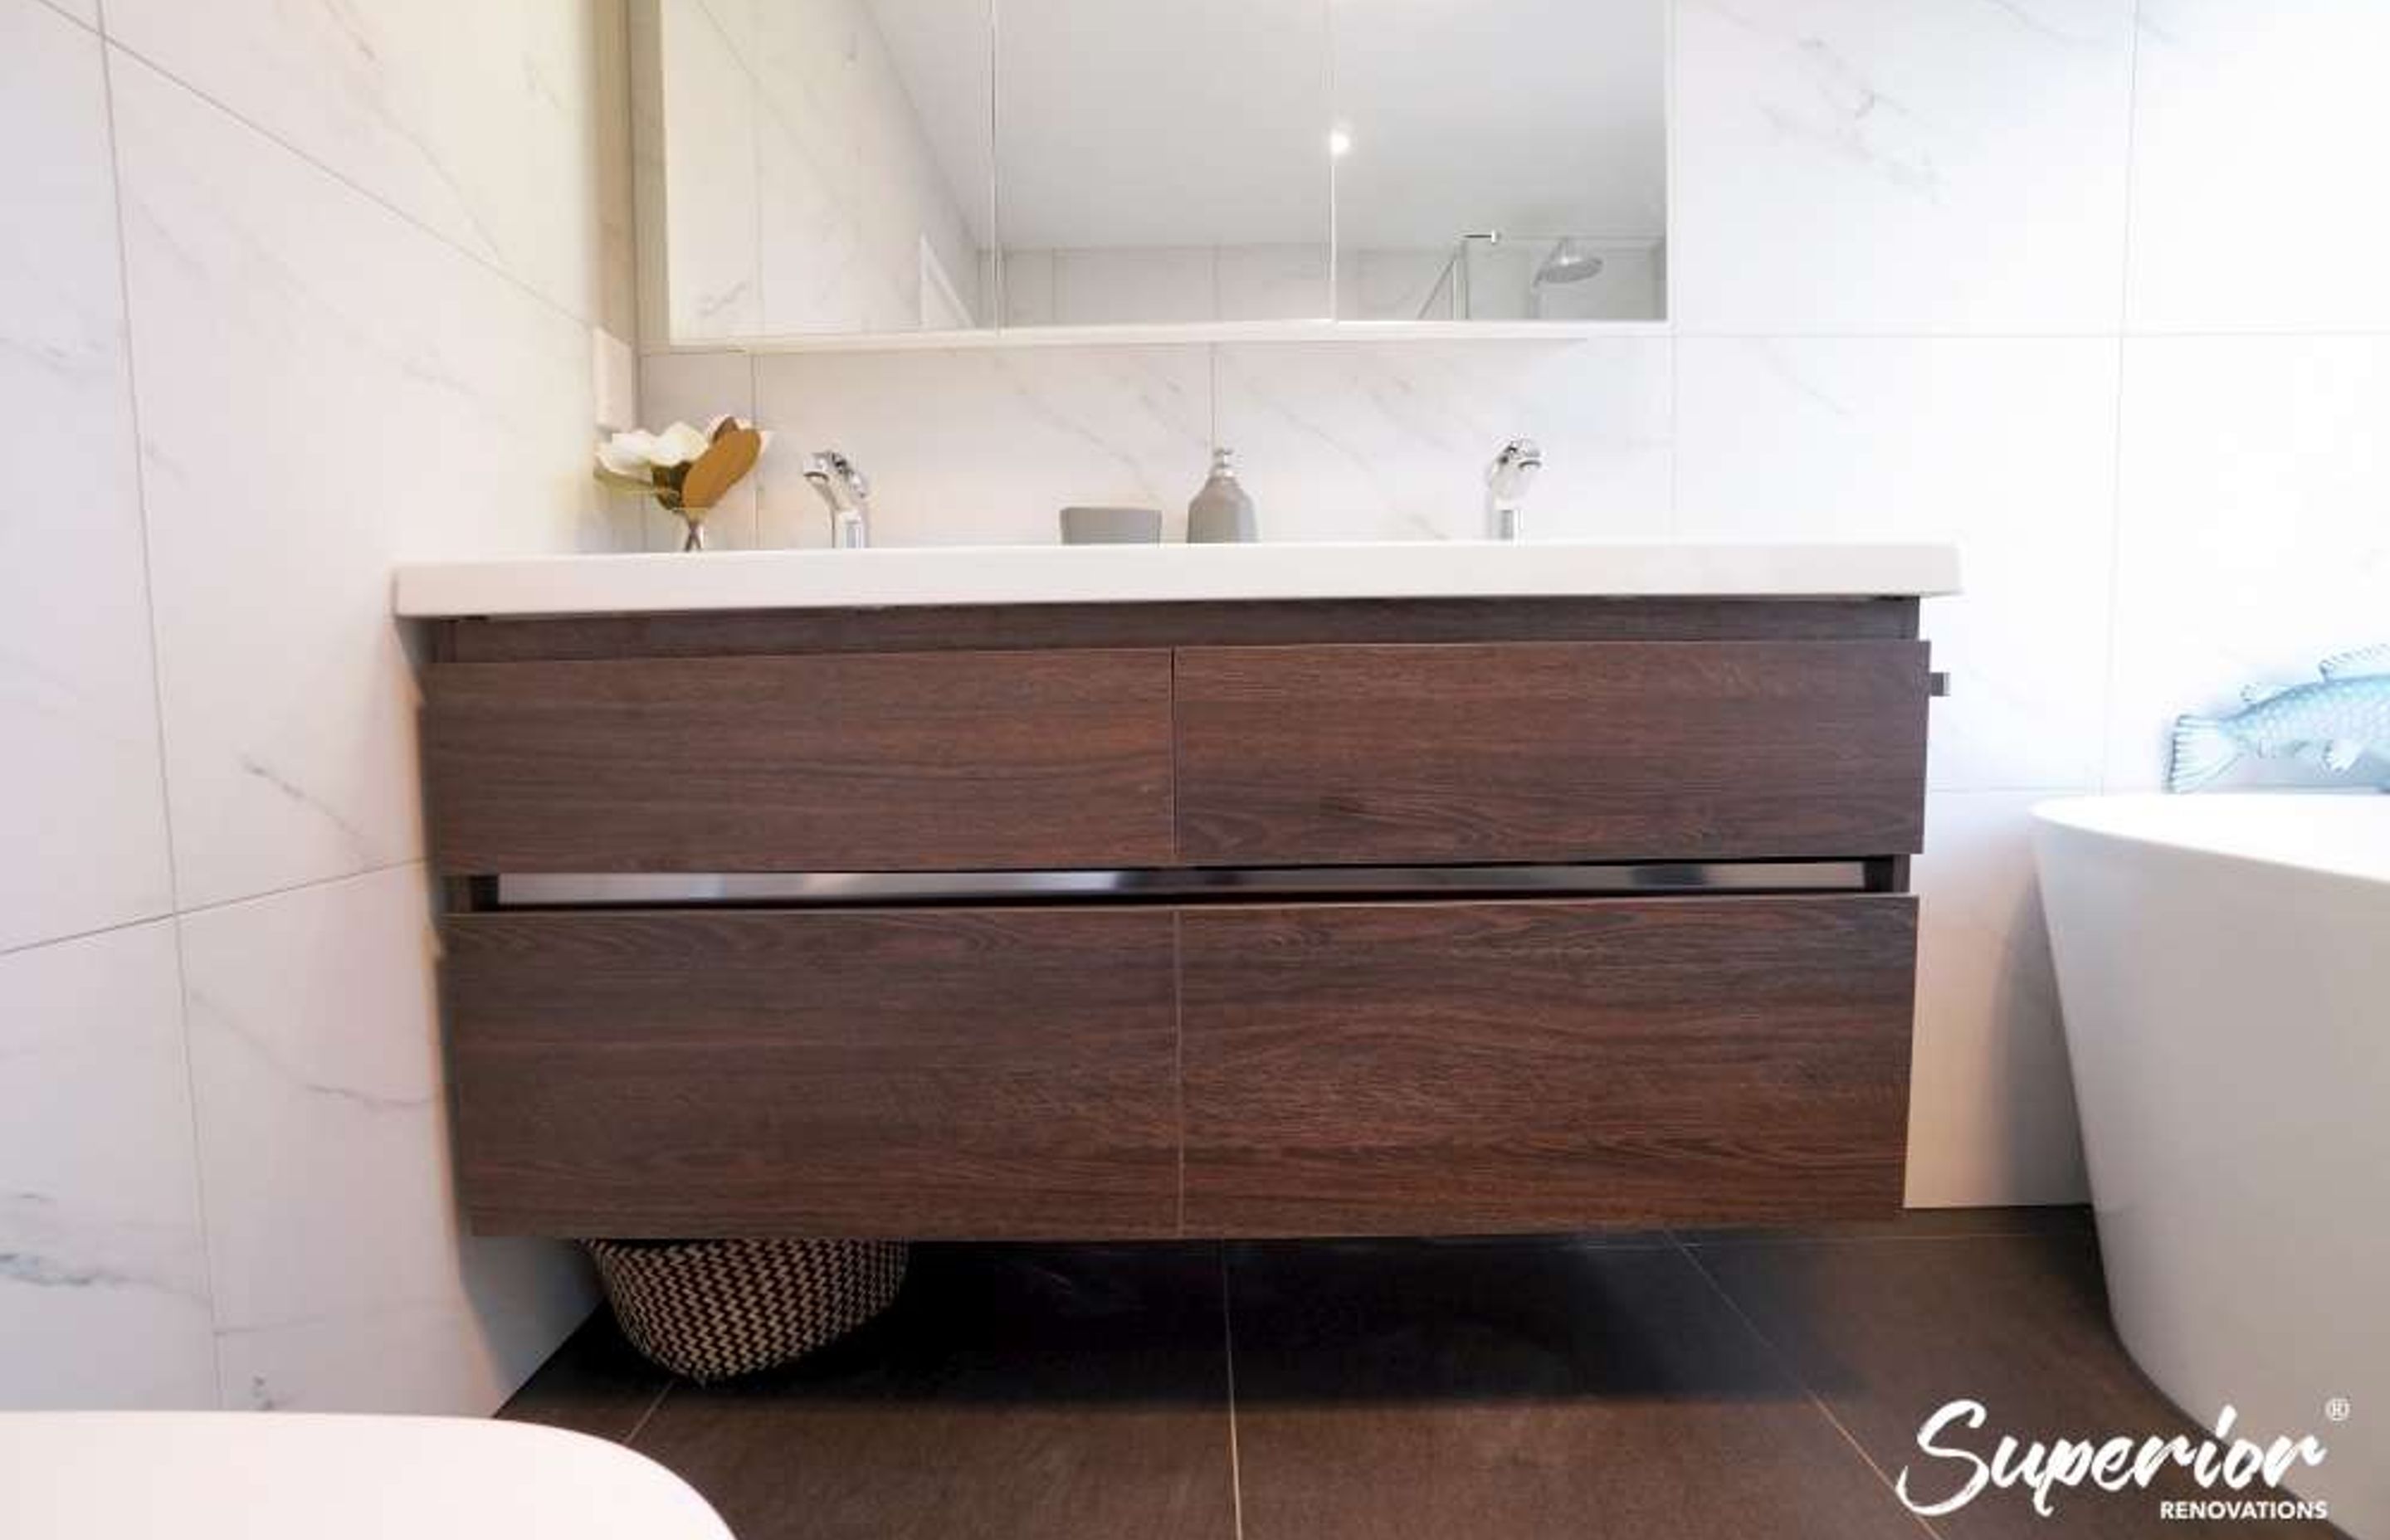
(928,1072)
(1490,1067)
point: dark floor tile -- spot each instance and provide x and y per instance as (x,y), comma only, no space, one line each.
(1399,1389)
(596,1384)
(1887,1334)
(1047,1392)
(1913,1224)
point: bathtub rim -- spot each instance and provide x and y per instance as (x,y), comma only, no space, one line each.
(2126,818)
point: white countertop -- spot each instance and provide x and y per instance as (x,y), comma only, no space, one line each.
(663,583)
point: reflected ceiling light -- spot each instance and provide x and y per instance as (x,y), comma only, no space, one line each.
(1339,143)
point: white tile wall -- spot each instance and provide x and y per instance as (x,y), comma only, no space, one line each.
(399,398)
(2253,509)
(801,186)
(1900,277)
(984,447)
(358,251)
(2005,447)
(2257,139)
(712,208)
(334,1242)
(1899,165)
(1991,1104)
(103,1269)
(1342,440)
(84,822)
(476,120)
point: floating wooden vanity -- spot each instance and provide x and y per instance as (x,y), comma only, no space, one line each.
(1408,915)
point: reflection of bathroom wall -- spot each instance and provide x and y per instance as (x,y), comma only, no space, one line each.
(1178,284)
(1165,284)
(803,196)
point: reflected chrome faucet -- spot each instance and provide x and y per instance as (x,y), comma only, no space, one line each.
(848,492)
(1507,481)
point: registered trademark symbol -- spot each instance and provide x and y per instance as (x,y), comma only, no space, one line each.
(2336,1409)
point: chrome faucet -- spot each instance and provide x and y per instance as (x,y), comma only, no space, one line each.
(848,492)
(1507,481)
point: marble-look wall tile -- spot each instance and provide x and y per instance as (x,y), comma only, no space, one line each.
(696,388)
(325,389)
(2253,481)
(102,1271)
(985,446)
(2257,135)
(1395,282)
(1991,1098)
(1347,440)
(1028,288)
(802,189)
(1271,283)
(2003,447)
(1900,165)
(1134,284)
(479,121)
(830,84)
(342,1278)
(814,273)
(84,11)
(711,201)
(83,816)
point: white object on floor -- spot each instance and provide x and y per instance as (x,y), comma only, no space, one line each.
(661,581)
(285,1476)
(2224,967)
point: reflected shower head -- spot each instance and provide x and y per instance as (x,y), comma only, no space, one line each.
(1570,262)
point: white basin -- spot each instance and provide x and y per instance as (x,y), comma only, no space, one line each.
(658,583)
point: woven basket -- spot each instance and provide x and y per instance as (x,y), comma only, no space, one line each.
(709,1309)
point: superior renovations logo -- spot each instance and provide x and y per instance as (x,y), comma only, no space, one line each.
(2111,1464)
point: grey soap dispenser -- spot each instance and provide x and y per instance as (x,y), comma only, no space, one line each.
(1220,513)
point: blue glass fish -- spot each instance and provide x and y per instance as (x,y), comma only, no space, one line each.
(2335,721)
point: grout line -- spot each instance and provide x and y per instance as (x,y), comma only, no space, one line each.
(1784,1366)
(160,917)
(484,261)
(654,1406)
(164,915)
(2113,663)
(65,14)
(377,869)
(158,713)
(1228,1344)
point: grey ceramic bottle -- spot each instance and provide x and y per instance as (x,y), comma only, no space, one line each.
(1220,513)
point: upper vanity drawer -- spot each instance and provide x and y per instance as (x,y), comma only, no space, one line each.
(957,761)
(1562,751)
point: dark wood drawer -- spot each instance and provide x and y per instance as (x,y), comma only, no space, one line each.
(924,1074)
(856,762)
(1550,752)
(1423,1069)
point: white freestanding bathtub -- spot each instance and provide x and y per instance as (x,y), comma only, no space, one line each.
(2224,967)
(293,1476)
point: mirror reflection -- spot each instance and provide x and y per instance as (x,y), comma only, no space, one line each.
(882,166)
(1502,160)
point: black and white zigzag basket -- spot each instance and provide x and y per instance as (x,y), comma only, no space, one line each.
(709,1309)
